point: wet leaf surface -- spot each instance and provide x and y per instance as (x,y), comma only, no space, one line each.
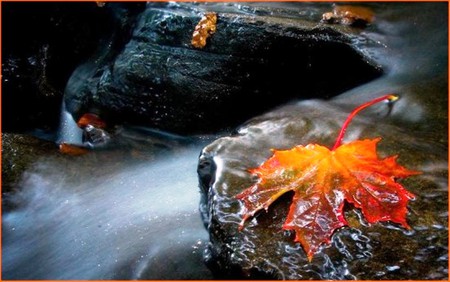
(91,119)
(72,150)
(349,15)
(323,180)
(204,29)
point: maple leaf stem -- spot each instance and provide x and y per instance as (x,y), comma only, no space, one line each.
(389,98)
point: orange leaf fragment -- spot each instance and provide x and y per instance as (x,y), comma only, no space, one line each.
(72,149)
(349,15)
(91,119)
(205,28)
(323,179)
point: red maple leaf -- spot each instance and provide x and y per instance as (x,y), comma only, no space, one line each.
(324,179)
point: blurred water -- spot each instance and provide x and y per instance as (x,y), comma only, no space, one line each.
(123,225)
(68,131)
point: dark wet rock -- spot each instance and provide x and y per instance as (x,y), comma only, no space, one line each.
(42,44)
(94,136)
(262,249)
(257,58)
(415,128)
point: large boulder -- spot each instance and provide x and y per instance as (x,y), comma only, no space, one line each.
(260,56)
(415,128)
(363,251)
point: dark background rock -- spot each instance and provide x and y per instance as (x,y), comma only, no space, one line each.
(416,129)
(42,43)
(253,62)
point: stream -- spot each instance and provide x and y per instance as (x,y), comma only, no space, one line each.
(136,219)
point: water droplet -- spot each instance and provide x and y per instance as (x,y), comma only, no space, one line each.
(392,267)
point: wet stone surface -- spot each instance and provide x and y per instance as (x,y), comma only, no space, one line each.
(160,79)
(415,128)
(18,153)
(361,251)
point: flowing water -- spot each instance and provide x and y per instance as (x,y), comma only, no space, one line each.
(125,225)
(109,214)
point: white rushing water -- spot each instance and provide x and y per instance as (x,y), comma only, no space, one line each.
(68,131)
(141,222)
(137,220)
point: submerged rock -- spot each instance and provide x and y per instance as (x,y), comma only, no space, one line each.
(19,152)
(246,67)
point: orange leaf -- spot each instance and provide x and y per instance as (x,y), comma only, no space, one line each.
(323,180)
(91,119)
(349,15)
(205,27)
(72,150)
